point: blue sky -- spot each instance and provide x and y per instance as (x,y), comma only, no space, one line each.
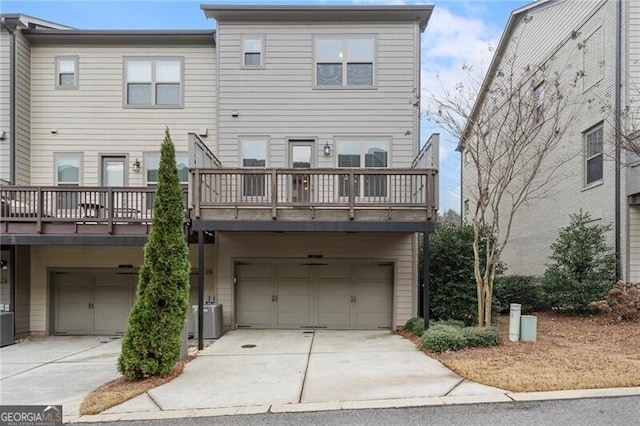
(460,32)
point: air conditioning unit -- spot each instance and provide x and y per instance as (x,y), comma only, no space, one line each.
(212,321)
(6,328)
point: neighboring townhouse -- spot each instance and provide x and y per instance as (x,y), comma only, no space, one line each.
(307,189)
(596,43)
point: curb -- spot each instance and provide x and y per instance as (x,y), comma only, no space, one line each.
(360,405)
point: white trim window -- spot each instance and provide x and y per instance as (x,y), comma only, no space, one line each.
(593,155)
(153,82)
(344,61)
(67,72)
(357,153)
(152,165)
(253,154)
(68,170)
(252,51)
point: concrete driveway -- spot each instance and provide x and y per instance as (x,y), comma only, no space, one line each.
(56,370)
(269,367)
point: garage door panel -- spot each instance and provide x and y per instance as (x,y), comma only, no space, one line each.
(334,303)
(294,303)
(337,296)
(112,303)
(255,303)
(374,296)
(73,304)
(334,271)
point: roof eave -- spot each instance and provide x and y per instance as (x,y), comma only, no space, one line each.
(150,37)
(302,13)
(497,57)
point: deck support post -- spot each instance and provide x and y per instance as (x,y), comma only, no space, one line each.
(200,290)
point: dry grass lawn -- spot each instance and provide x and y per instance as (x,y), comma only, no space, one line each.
(120,390)
(570,353)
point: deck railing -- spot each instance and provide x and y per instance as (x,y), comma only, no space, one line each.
(344,188)
(94,205)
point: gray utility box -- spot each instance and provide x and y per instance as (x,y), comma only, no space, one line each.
(212,321)
(528,328)
(6,328)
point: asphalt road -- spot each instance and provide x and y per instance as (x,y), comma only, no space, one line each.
(624,411)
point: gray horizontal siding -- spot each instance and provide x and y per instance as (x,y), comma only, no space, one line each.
(93,120)
(5,173)
(23,111)
(280,102)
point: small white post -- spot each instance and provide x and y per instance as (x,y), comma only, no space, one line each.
(514,321)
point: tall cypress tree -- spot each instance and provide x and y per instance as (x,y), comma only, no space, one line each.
(151,345)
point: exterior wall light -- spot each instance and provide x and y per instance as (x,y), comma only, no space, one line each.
(327,149)
(136,166)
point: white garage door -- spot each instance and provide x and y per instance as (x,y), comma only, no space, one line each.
(321,295)
(92,302)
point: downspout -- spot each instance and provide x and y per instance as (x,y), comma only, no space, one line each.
(12,102)
(618,132)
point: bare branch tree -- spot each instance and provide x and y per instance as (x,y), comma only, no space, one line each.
(510,132)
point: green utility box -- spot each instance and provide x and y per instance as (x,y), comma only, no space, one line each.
(528,328)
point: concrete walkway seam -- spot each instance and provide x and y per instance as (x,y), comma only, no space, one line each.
(306,368)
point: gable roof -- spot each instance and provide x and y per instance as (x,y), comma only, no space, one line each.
(512,23)
(301,13)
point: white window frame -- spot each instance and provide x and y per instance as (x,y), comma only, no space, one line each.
(362,141)
(156,155)
(146,156)
(68,200)
(345,55)
(261,52)
(153,60)
(265,186)
(591,131)
(76,60)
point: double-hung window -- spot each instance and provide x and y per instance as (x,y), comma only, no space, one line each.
(594,158)
(367,154)
(344,61)
(254,154)
(68,173)
(156,82)
(253,51)
(66,72)
(152,165)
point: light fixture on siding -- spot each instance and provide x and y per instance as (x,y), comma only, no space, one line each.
(136,166)
(235,114)
(327,149)
(3,135)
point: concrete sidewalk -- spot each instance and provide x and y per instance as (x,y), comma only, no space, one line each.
(57,370)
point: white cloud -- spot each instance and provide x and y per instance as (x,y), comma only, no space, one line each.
(451,41)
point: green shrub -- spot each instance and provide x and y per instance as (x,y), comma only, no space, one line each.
(152,342)
(443,338)
(583,267)
(451,322)
(481,337)
(415,325)
(522,289)
(452,281)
